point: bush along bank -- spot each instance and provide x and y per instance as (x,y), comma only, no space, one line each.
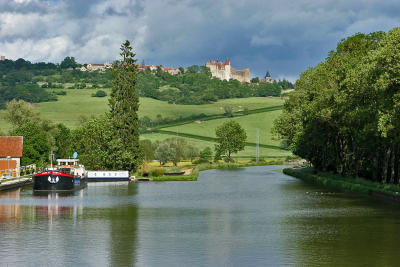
(158,175)
(347,184)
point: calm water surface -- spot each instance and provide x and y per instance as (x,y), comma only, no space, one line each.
(247,217)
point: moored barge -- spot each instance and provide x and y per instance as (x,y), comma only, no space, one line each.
(68,175)
(109,176)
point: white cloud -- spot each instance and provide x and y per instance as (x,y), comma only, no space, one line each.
(281,35)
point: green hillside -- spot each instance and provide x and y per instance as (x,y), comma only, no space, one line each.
(78,102)
(250,123)
(202,134)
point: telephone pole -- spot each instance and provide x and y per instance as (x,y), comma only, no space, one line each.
(258,145)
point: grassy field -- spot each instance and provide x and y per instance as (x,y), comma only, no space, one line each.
(249,151)
(79,102)
(250,123)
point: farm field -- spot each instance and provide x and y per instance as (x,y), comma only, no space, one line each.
(249,151)
(78,102)
(250,123)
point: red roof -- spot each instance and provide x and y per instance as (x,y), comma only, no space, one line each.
(227,62)
(169,69)
(11,146)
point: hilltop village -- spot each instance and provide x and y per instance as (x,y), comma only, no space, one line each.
(220,70)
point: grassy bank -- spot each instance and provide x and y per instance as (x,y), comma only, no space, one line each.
(338,182)
(207,166)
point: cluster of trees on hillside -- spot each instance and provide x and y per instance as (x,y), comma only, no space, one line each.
(231,139)
(108,142)
(344,115)
(40,136)
(196,86)
(17,82)
(27,81)
(23,80)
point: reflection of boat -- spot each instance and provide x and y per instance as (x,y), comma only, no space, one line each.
(68,175)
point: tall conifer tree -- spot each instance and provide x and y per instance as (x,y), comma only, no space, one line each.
(124,106)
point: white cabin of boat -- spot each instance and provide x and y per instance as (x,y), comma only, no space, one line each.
(71,166)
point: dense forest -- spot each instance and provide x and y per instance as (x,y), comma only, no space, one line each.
(34,82)
(344,115)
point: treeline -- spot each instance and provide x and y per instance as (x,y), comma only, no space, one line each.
(17,82)
(196,86)
(344,115)
(92,141)
(23,80)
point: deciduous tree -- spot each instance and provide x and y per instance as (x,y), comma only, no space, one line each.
(231,139)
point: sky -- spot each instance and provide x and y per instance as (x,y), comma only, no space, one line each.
(284,36)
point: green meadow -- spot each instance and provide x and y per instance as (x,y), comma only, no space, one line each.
(248,152)
(262,121)
(78,103)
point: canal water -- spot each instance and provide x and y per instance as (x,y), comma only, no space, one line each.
(253,216)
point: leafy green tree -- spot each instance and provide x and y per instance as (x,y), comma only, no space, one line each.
(191,152)
(206,154)
(148,150)
(36,146)
(178,148)
(124,106)
(20,112)
(91,141)
(255,80)
(351,98)
(193,69)
(231,139)
(163,153)
(171,150)
(68,62)
(228,111)
(63,141)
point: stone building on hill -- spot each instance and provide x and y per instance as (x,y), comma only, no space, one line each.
(172,71)
(11,148)
(224,71)
(94,67)
(267,78)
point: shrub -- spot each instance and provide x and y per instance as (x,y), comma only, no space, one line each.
(200,161)
(157,172)
(99,93)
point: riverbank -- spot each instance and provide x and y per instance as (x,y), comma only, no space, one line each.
(347,184)
(15,183)
(196,169)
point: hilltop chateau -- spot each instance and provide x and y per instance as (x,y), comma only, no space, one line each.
(225,71)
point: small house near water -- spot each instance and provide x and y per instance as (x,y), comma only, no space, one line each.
(11,149)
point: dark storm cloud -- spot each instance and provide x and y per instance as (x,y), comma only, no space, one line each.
(283,36)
